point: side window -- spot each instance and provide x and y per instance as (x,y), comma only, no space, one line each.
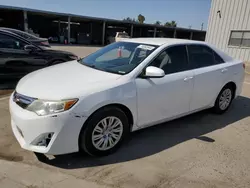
(200,56)
(172,60)
(218,59)
(11,42)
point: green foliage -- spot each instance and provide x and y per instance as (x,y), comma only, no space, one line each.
(171,24)
(141,18)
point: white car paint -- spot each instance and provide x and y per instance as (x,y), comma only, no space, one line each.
(155,104)
(150,101)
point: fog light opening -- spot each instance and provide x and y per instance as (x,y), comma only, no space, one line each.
(43,140)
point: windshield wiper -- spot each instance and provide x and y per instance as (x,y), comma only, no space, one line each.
(101,69)
(113,71)
(87,65)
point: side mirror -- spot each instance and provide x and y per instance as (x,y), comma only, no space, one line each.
(154,72)
(30,48)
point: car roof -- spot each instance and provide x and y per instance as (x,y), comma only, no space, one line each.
(10,33)
(173,41)
(163,41)
(17,36)
(20,33)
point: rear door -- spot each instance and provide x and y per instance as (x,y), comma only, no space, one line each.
(208,75)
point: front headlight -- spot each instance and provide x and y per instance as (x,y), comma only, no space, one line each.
(42,107)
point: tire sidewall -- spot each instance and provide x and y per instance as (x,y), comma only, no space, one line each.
(85,139)
(217,105)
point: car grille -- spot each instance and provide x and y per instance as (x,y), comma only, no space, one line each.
(22,100)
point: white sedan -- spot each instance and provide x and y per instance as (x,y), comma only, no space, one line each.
(92,104)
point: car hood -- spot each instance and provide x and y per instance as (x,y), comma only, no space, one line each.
(38,39)
(49,50)
(65,81)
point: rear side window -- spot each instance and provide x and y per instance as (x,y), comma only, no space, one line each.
(11,42)
(202,56)
(218,59)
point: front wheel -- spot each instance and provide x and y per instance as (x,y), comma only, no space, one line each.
(104,132)
(224,100)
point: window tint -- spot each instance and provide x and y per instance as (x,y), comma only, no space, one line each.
(11,42)
(200,56)
(174,59)
(218,59)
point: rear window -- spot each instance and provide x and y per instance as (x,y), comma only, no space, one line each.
(25,35)
(22,34)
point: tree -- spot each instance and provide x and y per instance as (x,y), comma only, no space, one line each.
(171,24)
(128,19)
(141,18)
(157,23)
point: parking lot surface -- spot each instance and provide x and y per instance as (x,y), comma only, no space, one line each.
(200,150)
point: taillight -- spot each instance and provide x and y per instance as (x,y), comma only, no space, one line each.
(45,43)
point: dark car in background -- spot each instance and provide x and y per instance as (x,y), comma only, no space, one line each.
(32,38)
(19,56)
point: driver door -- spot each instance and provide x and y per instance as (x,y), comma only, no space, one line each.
(160,99)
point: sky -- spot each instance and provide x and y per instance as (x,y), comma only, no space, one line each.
(185,12)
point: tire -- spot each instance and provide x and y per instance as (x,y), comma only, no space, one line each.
(226,95)
(103,146)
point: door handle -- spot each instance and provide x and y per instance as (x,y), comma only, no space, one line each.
(188,78)
(224,70)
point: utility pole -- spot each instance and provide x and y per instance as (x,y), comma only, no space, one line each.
(202,26)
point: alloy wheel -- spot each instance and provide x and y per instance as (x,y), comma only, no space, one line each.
(107,133)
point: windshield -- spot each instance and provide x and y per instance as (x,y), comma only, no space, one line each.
(119,57)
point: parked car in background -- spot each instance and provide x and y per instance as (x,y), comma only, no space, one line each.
(92,104)
(19,56)
(32,38)
(118,37)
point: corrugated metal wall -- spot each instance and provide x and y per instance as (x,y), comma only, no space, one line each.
(235,15)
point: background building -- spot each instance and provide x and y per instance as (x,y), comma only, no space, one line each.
(229,27)
(84,29)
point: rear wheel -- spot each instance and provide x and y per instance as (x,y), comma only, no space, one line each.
(224,100)
(104,132)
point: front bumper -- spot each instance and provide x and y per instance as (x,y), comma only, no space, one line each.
(28,128)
